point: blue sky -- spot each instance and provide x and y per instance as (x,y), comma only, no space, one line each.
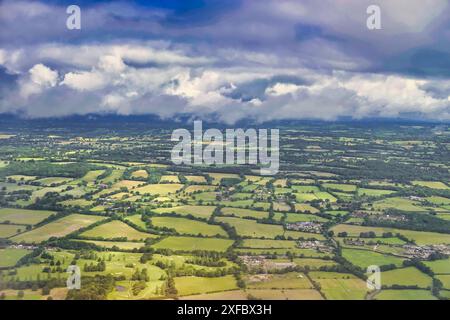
(227,60)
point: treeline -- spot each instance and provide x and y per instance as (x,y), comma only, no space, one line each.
(412,221)
(93,288)
(48,169)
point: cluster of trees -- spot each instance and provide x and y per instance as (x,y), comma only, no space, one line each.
(209,260)
(138,287)
(140,275)
(99,267)
(48,169)
(93,288)
(412,221)
(170,289)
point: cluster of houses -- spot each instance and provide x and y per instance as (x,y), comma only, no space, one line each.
(262,194)
(423,252)
(315,245)
(309,226)
(254,262)
(354,242)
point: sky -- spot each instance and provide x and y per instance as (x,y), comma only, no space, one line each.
(227,60)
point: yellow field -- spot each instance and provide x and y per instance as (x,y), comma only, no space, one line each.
(170,179)
(196,179)
(161,189)
(140,174)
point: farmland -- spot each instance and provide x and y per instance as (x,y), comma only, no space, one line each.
(58,228)
(186,226)
(193,244)
(113,204)
(116,229)
(23,216)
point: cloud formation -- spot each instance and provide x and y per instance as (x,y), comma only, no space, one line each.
(265,61)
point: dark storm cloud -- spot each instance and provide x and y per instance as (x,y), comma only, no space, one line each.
(231,59)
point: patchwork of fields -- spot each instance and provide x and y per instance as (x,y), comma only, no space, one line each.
(145,229)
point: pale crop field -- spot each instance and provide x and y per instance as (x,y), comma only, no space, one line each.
(290,280)
(117,229)
(58,228)
(431,184)
(23,216)
(161,189)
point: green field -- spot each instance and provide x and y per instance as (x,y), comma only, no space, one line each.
(445,279)
(91,176)
(439,266)
(195,188)
(365,258)
(406,277)
(137,220)
(196,285)
(7,230)
(313,263)
(189,227)
(57,228)
(9,257)
(399,204)
(405,295)
(119,244)
(431,184)
(340,187)
(297,217)
(252,229)
(304,207)
(342,287)
(197,211)
(374,192)
(193,244)
(438,200)
(116,229)
(244,213)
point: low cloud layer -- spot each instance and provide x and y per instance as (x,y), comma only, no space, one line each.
(249,59)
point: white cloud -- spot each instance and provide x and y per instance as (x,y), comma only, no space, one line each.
(84,81)
(39,78)
(43,76)
(279,89)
